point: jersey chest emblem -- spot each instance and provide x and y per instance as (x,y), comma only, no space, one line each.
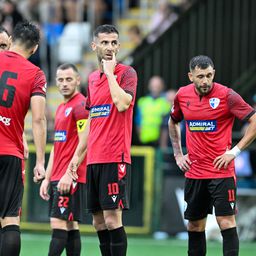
(214,102)
(67,111)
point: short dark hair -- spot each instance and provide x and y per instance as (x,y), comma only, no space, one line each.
(4,30)
(200,61)
(108,29)
(27,34)
(67,66)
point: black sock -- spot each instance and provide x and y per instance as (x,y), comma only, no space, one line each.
(196,243)
(118,244)
(10,240)
(104,239)
(73,246)
(58,242)
(230,242)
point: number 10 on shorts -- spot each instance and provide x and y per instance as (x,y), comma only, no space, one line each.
(113,189)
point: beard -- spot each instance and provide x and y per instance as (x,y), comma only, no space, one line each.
(204,90)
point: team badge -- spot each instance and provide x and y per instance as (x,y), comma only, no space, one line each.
(67,111)
(214,102)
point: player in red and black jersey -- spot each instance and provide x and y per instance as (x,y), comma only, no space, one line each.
(66,197)
(111,97)
(209,110)
(22,84)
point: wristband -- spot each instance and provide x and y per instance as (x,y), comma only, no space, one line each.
(234,151)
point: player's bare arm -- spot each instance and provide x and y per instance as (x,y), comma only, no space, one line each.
(25,145)
(66,180)
(80,152)
(182,161)
(249,136)
(46,182)
(121,99)
(39,134)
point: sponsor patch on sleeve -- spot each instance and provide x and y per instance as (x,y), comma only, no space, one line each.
(202,125)
(81,124)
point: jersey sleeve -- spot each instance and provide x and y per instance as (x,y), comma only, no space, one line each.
(238,107)
(176,113)
(80,115)
(80,112)
(40,85)
(129,81)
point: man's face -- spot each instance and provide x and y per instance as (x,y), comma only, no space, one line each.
(202,79)
(105,45)
(67,82)
(5,42)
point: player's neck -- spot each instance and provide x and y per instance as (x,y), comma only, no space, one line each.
(68,98)
(20,51)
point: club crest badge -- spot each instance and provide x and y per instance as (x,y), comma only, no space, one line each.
(214,102)
(67,111)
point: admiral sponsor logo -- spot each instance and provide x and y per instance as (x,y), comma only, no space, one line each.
(202,125)
(60,136)
(5,120)
(100,111)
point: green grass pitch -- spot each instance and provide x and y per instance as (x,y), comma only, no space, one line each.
(37,245)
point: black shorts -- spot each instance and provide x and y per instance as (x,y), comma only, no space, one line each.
(108,186)
(69,207)
(202,195)
(11,186)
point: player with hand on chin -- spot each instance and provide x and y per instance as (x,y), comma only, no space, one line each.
(107,138)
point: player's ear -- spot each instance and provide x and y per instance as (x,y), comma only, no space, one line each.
(213,73)
(190,76)
(93,45)
(34,49)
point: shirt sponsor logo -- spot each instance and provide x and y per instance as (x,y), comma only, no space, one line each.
(214,102)
(202,125)
(67,111)
(5,120)
(60,136)
(100,111)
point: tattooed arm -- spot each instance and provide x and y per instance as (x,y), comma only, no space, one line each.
(175,135)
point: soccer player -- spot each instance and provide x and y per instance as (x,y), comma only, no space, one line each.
(67,197)
(209,110)
(22,84)
(111,96)
(5,43)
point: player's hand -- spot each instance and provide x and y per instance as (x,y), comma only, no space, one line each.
(39,173)
(223,161)
(109,65)
(72,168)
(44,189)
(64,184)
(183,162)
